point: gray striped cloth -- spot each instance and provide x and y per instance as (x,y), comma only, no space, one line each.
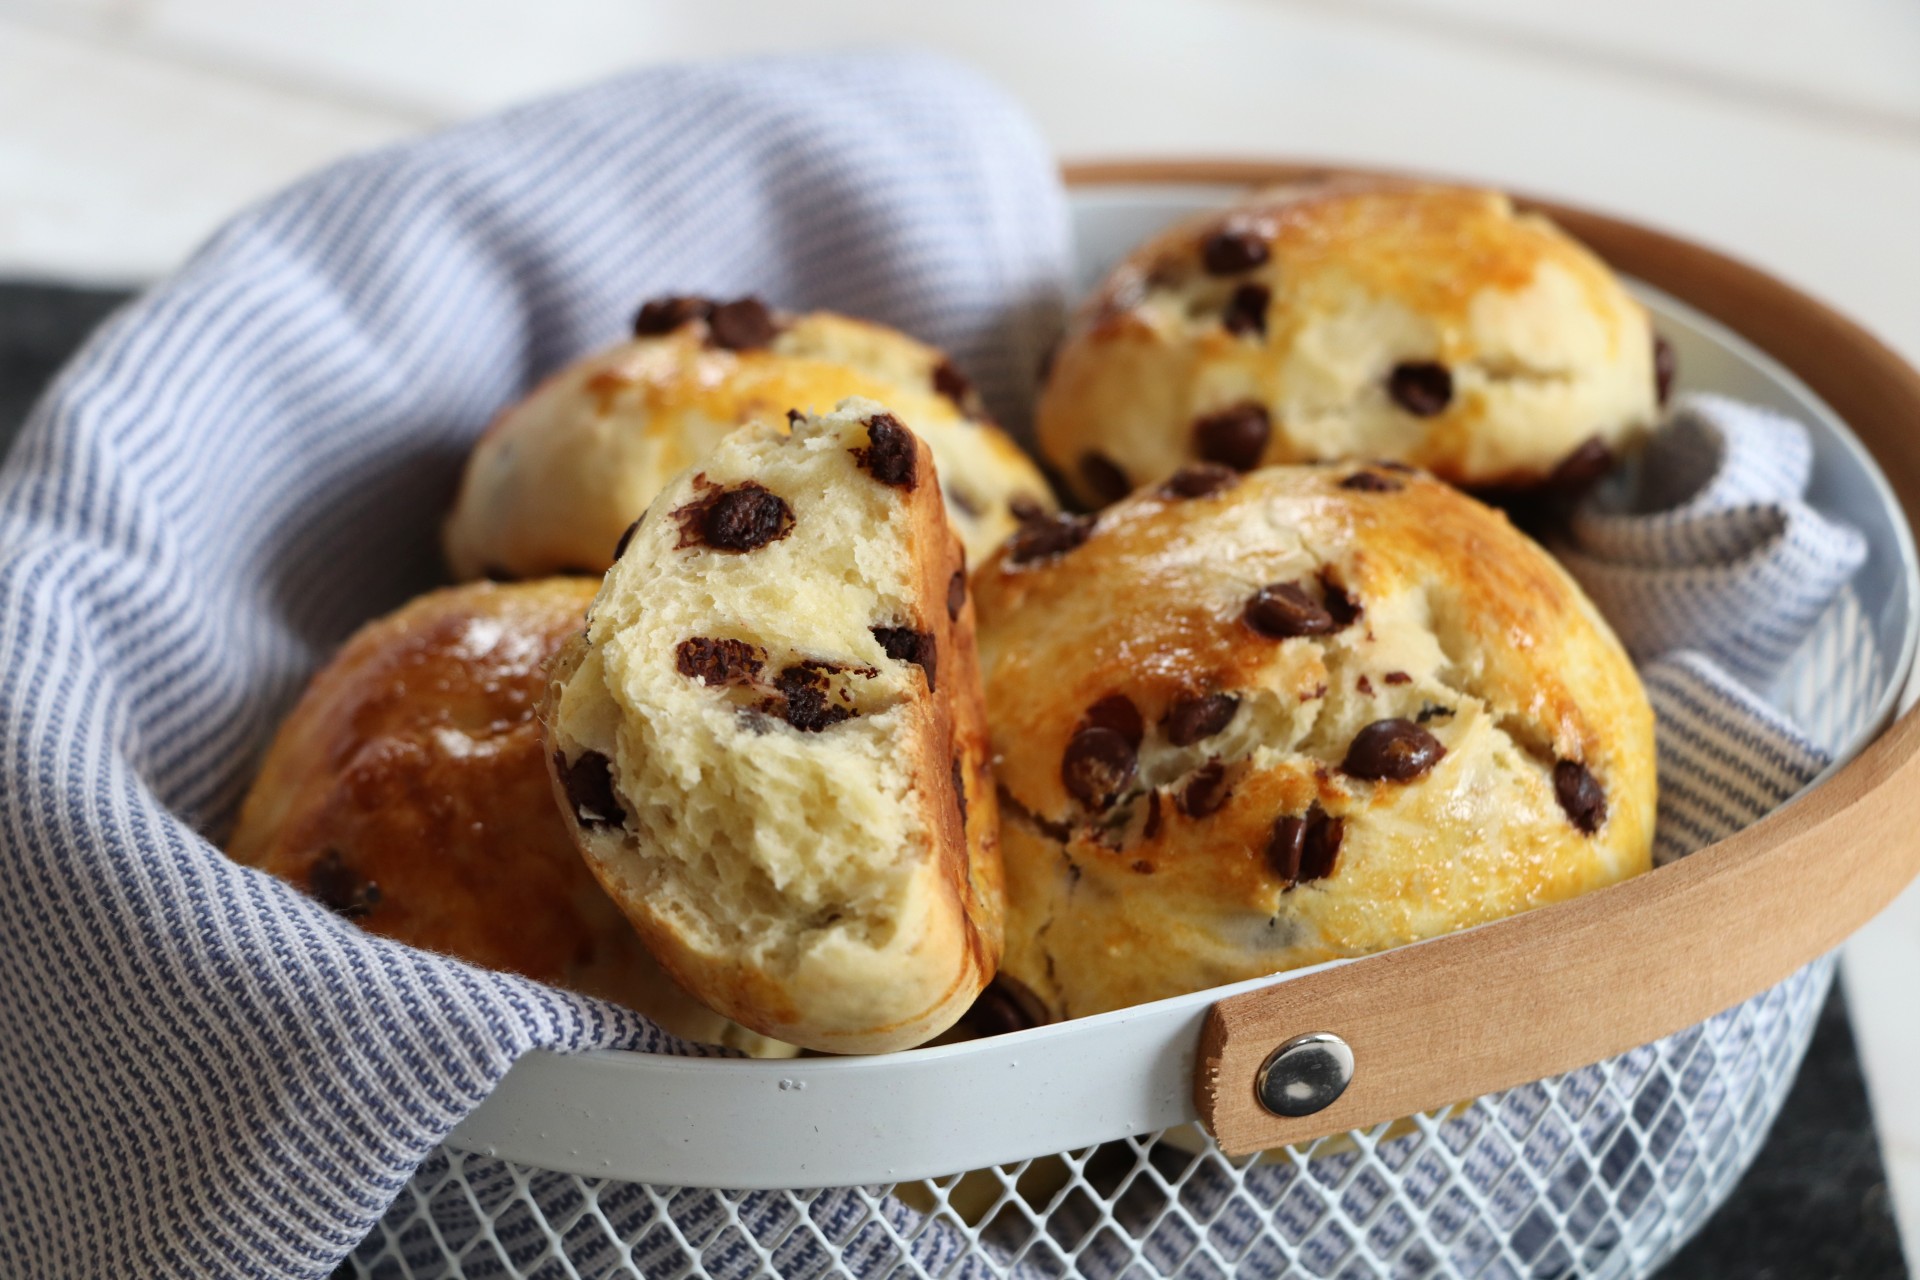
(202,1072)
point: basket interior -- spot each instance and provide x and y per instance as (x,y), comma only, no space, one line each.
(1603,1171)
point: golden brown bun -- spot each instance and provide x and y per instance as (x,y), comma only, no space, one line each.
(408,789)
(771,741)
(558,477)
(1231,729)
(1335,321)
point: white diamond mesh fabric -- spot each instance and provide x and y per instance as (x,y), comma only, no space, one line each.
(202,1073)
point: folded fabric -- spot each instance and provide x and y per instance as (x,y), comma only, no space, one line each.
(202,1072)
(1706,544)
(1727,759)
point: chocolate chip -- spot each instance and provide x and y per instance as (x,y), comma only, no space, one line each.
(1205,791)
(1047,537)
(1151,829)
(626,539)
(1191,719)
(1104,478)
(588,782)
(664,315)
(1371,482)
(1097,766)
(891,455)
(956,594)
(1398,677)
(1283,610)
(904,644)
(719,661)
(1580,794)
(1228,252)
(743,518)
(1117,712)
(1421,387)
(1235,437)
(1580,470)
(795,418)
(1364,685)
(1100,757)
(1392,751)
(744,324)
(953,384)
(1246,311)
(960,791)
(341,888)
(1304,848)
(747,518)
(1665,365)
(1338,602)
(804,687)
(1198,481)
(1025,509)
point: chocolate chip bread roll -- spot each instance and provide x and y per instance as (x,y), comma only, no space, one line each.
(408,791)
(1432,325)
(1247,723)
(554,481)
(770,742)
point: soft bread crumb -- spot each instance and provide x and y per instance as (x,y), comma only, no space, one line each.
(790,844)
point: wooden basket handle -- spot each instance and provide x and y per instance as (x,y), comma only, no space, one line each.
(1567,985)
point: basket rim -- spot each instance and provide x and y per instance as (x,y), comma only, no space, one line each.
(1868,387)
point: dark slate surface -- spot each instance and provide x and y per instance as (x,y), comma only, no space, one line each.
(40,325)
(1815,1203)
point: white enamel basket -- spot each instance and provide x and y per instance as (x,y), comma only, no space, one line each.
(1075,1149)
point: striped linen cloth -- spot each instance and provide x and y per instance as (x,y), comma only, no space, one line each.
(1708,528)
(202,1072)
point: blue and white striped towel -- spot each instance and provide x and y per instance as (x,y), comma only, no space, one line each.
(202,1072)
(1705,543)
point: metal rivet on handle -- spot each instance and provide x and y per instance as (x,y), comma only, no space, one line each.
(1304,1075)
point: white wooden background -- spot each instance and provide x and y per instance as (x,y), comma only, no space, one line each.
(1786,132)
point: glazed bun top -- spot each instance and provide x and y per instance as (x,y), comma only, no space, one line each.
(558,477)
(1245,723)
(1436,326)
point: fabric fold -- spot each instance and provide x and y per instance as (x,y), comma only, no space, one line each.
(204,1072)
(1706,543)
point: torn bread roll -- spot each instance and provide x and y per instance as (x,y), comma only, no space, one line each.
(770,743)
